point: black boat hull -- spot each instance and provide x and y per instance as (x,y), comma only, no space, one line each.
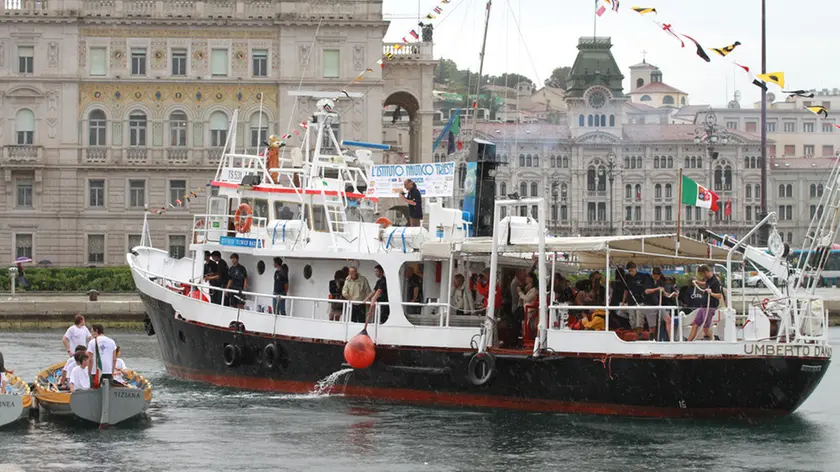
(681,386)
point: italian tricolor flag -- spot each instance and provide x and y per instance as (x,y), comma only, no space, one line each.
(698,195)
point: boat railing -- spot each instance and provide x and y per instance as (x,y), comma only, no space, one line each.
(559,316)
(211,227)
(265,303)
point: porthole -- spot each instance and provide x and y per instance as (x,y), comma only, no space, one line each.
(261,267)
(307,271)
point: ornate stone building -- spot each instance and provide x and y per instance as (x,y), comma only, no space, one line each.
(109,107)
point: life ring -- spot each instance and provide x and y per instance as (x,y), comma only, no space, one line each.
(199,225)
(273,357)
(764,304)
(487,364)
(231,355)
(383,222)
(238,223)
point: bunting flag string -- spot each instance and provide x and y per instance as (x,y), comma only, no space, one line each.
(777,78)
(700,51)
(726,49)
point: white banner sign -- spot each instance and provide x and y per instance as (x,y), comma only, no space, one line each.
(432,179)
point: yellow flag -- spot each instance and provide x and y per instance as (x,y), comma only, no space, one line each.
(644,10)
(818,110)
(777,78)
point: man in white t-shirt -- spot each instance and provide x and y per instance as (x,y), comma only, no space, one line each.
(79,377)
(68,367)
(76,335)
(107,350)
(119,369)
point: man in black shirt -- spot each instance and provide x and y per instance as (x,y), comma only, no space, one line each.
(653,297)
(714,295)
(238,281)
(211,269)
(637,284)
(619,319)
(414,201)
(415,291)
(379,296)
(281,285)
(220,279)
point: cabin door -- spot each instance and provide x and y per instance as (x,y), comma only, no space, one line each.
(217,220)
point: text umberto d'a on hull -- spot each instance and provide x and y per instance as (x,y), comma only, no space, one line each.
(787,350)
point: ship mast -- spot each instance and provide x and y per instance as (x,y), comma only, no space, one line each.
(481,67)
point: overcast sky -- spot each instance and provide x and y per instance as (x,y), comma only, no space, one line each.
(800,39)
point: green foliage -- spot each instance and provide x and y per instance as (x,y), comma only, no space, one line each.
(558,77)
(75,279)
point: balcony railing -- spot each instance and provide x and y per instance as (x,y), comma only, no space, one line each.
(417,50)
(213,156)
(96,155)
(177,155)
(26,7)
(596,193)
(22,154)
(136,155)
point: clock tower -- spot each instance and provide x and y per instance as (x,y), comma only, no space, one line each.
(594,95)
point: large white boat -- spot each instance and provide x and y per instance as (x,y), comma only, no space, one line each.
(310,208)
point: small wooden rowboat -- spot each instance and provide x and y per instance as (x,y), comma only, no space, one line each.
(122,402)
(15,400)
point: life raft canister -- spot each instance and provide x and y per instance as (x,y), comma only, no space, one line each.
(231,354)
(243,218)
(481,369)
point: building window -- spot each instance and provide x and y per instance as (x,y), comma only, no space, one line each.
(536,160)
(612,120)
(179,62)
(757,190)
(645,98)
(502,189)
(529,161)
(259,62)
(177,246)
(638,192)
(668,214)
(813,211)
(628,192)
(749,213)
(828,150)
(628,213)
(219,62)
(668,190)
(259,129)
(657,212)
(748,191)
(808,127)
(602,212)
(534,189)
(781,191)
(790,149)
(580,121)
(136,193)
(790,126)
(564,212)
(177,190)
(603,120)
(813,192)
(137,129)
(656,162)
(670,162)
(771,126)
(698,213)
(23,245)
(138,61)
(808,149)
(828,127)
(96,248)
(24,194)
(590,121)
(96,193)
(332,63)
(25,127)
(26,59)
(98,61)
(789,192)
(820,190)
(668,100)
(97,128)
(134,241)
(523,189)
(657,191)
(590,212)
(178,129)
(751,126)
(218,128)
(732,124)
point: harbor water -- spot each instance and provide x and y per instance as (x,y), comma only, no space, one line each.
(196,427)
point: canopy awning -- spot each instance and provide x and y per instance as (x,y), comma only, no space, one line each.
(590,252)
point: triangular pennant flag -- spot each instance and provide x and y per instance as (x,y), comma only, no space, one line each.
(819,110)
(726,49)
(760,84)
(414,34)
(644,10)
(746,69)
(799,93)
(777,78)
(430,17)
(601,10)
(700,51)
(438,10)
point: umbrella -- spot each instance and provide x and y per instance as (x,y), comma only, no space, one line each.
(23,260)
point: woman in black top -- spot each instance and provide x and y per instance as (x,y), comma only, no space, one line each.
(336,285)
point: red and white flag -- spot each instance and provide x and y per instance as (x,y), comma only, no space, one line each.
(601,10)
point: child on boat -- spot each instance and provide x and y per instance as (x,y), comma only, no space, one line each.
(68,367)
(119,370)
(3,370)
(79,376)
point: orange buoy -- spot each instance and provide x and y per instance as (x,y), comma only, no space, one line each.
(359,351)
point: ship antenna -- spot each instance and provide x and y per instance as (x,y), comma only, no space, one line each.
(302,77)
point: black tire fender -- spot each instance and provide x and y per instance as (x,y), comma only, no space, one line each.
(481,369)
(232,355)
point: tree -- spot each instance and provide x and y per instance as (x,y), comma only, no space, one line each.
(509,79)
(558,77)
